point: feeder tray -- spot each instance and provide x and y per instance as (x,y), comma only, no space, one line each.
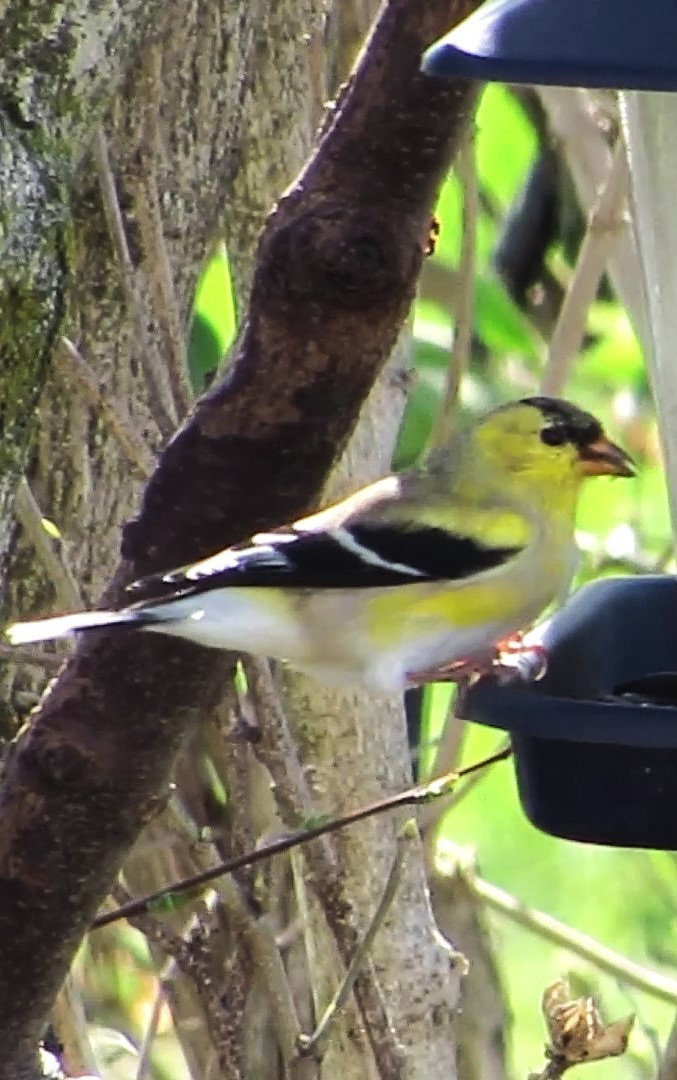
(595,741)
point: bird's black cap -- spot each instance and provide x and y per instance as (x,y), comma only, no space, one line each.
(566,423)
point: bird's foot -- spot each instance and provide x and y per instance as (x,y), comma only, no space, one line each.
(458,671)
(520,660)
(509,661)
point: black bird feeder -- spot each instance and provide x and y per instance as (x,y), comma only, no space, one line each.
(603,43)
(595,741)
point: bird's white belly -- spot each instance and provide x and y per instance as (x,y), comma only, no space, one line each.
(391,670)
(260,621)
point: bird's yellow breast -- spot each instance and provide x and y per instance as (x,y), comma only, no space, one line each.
(416,609)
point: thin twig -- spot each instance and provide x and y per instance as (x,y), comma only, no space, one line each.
(415,796)
(49,552)
(157,256)
(77,370)
(70,1025)
(259,939)
(155,249)
(300,886)
(156,930)
(190,954)
(431,814)
(604,228)
(554,1069)
(446,755)
(277,749)
(668,1065)
(648,1030)
(572,123)
(312,1044)
(159,394)
(464,789)
(464,299)
(603,958)
(317,72)
(149,1035)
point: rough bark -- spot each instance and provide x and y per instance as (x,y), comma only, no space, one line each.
(59,68)
(335,275)
(207,158)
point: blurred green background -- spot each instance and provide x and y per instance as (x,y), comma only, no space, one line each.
(625,899)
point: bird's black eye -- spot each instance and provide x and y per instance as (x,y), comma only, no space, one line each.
(555,436)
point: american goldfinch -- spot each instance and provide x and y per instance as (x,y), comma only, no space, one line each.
(418,574)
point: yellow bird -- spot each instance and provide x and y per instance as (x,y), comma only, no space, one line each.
(418,576)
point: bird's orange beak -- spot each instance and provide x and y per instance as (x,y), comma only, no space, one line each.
(604,458)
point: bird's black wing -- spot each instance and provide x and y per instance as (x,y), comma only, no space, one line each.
(361,555)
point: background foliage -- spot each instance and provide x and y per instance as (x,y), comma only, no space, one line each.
(623,898)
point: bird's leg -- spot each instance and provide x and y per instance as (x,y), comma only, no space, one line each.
(457,671)
(508,660)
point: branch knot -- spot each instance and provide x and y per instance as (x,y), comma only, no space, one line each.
(348,257)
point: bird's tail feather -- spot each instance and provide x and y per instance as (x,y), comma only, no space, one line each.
(44,629)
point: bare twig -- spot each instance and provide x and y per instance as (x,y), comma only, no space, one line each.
(49,552)
(668,1065)
(259,939)
(156,931)
(155,248)
(70,1024)
(447,753)
(476,778)
(159,393)
(317,72)
(301,887)
(415,796)
(431,814)
(77,370)
(554,1068)
(464,298)
(603,958)
(190,955)
(277,749)
(587,154)
(149,1035)
(601,237)
(312,1044)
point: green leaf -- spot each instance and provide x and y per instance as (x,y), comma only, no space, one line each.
(448,212)
(50,528)
(499,322)
(417,424)
(435,701)
(213,325)
(505,144)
